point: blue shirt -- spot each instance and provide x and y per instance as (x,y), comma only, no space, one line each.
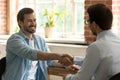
(20,56)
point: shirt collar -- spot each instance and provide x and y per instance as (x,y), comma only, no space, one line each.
(22,34)
(103,33)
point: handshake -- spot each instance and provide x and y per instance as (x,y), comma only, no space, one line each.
(66,60)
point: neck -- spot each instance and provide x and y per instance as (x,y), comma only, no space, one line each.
(28,35)
(99,30)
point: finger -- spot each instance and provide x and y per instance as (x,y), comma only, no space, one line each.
(76,67)
(66,61)
(70,57)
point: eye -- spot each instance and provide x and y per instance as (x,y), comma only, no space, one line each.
(34,20)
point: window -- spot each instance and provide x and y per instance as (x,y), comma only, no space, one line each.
(73,25)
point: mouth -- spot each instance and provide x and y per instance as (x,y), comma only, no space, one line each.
(32,27)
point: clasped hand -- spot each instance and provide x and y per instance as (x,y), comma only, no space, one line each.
(66,60)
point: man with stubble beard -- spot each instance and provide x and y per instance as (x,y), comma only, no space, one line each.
(28,56)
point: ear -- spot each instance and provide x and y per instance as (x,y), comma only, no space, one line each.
(20,23)
(94,25)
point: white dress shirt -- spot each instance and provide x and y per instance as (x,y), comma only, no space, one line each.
(102,59)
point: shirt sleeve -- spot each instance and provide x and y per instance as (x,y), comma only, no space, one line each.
(18,46)
(46,49)
(78,60)
(89,65)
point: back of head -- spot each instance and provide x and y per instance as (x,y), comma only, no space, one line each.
(2,66)
(101,15)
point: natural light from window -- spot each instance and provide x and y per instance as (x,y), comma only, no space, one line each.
(71,24)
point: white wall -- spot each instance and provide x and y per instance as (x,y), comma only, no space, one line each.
(68,48)
(79,50)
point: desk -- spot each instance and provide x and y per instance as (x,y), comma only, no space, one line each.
(58,71)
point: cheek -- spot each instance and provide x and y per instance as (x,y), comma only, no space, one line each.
(27,23)
(90,26)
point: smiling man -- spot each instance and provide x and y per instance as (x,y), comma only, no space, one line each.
(28,55)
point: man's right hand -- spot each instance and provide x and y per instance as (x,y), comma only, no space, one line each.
(66,60)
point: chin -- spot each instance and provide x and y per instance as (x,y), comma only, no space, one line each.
(32,32)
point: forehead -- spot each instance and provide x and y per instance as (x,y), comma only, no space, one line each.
(29,16)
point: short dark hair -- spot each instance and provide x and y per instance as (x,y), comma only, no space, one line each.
(101,14)
(22,12)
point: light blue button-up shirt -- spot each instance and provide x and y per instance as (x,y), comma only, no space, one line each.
(102,59)
(20,56)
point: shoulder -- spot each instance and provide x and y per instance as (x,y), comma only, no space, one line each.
(94,44)
(37,37)
(13,36)
(99,43)
(16,39)
(93,47)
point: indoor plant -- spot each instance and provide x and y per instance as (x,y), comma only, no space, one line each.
(51,20)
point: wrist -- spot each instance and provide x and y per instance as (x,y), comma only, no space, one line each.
(60,57)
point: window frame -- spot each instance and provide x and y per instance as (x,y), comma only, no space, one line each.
(10,31)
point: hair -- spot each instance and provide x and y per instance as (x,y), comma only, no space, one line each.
(22,12)
(2,66)
(101,14)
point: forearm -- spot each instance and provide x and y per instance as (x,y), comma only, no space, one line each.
(48,56)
